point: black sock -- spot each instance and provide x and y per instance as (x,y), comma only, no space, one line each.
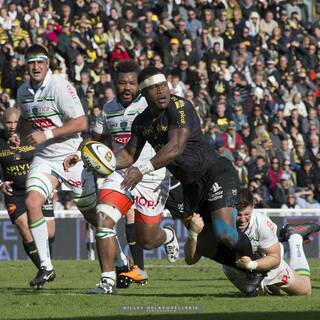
(51,240)
(135,248)
(243,246)
(32,252)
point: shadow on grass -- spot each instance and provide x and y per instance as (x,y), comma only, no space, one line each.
(204,316)
(121,293)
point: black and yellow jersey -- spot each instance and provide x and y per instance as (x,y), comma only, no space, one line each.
(15,164)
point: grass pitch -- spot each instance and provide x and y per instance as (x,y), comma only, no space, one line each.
(174,292)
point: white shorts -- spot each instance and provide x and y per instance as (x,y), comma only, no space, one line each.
(77,179)
(149,195)
(282,276)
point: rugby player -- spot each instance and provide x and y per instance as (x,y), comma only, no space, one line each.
(209,182)
(148,197)
(292,278)
(15,164)
(52,118)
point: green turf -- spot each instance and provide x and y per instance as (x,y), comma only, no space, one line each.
(201,288)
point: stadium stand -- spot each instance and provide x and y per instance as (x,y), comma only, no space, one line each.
(251,68)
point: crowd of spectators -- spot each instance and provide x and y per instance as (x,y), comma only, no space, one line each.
(251,68)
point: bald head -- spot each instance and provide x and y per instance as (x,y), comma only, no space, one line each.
(10,112)
(10,121)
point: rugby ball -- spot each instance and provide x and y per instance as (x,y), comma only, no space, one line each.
(98,158)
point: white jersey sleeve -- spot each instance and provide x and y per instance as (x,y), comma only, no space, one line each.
(68,102)
(262,232)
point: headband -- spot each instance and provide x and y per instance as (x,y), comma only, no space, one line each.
(157,78)
(37,58)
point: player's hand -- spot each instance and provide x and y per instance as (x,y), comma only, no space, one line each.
(131,178)
(196,223)
(14,141)
(70,161)
(36,137)
(244,263)
(6,188)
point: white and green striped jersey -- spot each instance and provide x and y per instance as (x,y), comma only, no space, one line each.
(116,120)
(49,107)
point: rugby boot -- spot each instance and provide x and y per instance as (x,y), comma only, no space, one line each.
(43,276)
(253,283)
(172,247)
(135,275)
(105,286)
(119,270)
(304,229)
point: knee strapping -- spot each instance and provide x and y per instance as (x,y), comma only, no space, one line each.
(103,233)
(224,230)
(109,211)
(39,182)
(85,202)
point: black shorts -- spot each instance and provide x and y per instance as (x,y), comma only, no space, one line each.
(218,188)
(175,200)
(16,207)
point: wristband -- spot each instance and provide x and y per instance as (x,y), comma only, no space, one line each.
(145,167)
(48,134)
(252,265)
(192,235)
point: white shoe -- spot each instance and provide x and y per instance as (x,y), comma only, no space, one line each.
(105,286)
(172,247)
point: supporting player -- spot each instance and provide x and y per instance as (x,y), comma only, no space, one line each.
(15,165)
(171,125)
(52,118)
(294,278)
(148,196)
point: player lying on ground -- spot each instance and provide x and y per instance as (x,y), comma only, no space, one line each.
(148,197)
(15,164)
(294,279)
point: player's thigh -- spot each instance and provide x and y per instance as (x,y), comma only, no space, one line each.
(223,187)
(150,196)
(41,181)
(15,206)
(81,182)
(110,192)
(301,286)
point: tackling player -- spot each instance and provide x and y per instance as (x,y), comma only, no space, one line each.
(52,118)
(294,279)
(171,125)
(15,164)
(148,197)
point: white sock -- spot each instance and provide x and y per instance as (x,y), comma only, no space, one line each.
(110,275)
(121,259)
(169,235)
(39,232)
(298,261)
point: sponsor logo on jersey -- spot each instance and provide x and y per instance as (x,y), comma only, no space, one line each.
(42,123)
(143,202)
(73,183)
(122,138)
(215,192)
